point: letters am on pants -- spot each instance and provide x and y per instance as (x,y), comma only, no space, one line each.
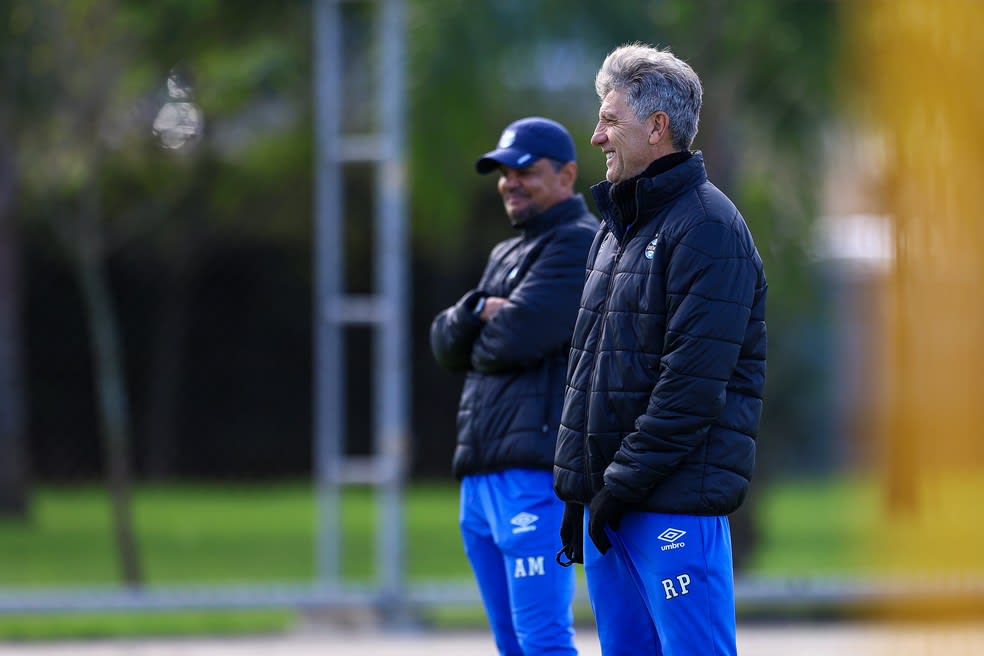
(532,566)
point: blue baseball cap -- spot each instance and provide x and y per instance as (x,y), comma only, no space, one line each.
(525,141)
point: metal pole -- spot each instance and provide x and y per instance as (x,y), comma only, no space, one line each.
(329,400)
(392,273)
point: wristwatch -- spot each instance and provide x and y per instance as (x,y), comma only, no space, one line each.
(479,306)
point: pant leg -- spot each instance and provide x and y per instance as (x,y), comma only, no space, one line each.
(527,532)
(487,564)
(683,564)
(625,625)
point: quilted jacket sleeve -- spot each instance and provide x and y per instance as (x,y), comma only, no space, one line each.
(538,319)
(711,285)
(453,333)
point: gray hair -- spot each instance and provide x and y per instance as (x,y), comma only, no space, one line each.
(654,80)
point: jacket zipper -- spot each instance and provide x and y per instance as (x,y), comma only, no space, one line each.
(547,394)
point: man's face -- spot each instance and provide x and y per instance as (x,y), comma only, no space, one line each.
(529,191)
(622,138)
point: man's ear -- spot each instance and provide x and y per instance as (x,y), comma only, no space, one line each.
(568,173)
(659,126)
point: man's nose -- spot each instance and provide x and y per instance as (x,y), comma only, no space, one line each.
(598,137)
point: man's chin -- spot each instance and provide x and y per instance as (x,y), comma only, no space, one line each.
(521,216)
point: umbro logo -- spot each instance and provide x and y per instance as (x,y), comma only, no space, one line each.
(524,522)
(671,535)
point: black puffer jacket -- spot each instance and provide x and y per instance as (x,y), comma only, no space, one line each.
(667,362)
(513,392)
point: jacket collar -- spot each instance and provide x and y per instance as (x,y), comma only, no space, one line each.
(651,193)
(562,212)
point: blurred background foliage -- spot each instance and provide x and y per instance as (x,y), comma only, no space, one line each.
(205,250)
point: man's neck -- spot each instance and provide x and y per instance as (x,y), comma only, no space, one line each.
(623,192)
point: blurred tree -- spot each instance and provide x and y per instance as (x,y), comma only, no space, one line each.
(165,212)
(75,55)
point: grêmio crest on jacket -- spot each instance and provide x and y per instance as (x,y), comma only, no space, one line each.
(650,251)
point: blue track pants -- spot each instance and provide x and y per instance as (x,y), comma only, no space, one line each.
(510,525)
(666,587)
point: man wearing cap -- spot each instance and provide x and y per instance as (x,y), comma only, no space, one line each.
(511,335)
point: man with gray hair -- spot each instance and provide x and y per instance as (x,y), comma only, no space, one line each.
(666,374)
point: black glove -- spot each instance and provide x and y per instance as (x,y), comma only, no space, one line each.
(605,510)
(571,536)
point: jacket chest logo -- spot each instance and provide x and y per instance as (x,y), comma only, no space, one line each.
(651,248)
(513,273)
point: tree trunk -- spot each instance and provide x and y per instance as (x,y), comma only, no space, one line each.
(13,452)
(110,382)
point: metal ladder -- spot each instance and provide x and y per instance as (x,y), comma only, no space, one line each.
(385,310)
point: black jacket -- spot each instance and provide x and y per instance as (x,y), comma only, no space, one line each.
(513,391)
(667,363)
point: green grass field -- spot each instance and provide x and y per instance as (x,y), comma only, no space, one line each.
(199,534)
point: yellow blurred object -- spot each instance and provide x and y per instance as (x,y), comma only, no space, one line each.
(915,71)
